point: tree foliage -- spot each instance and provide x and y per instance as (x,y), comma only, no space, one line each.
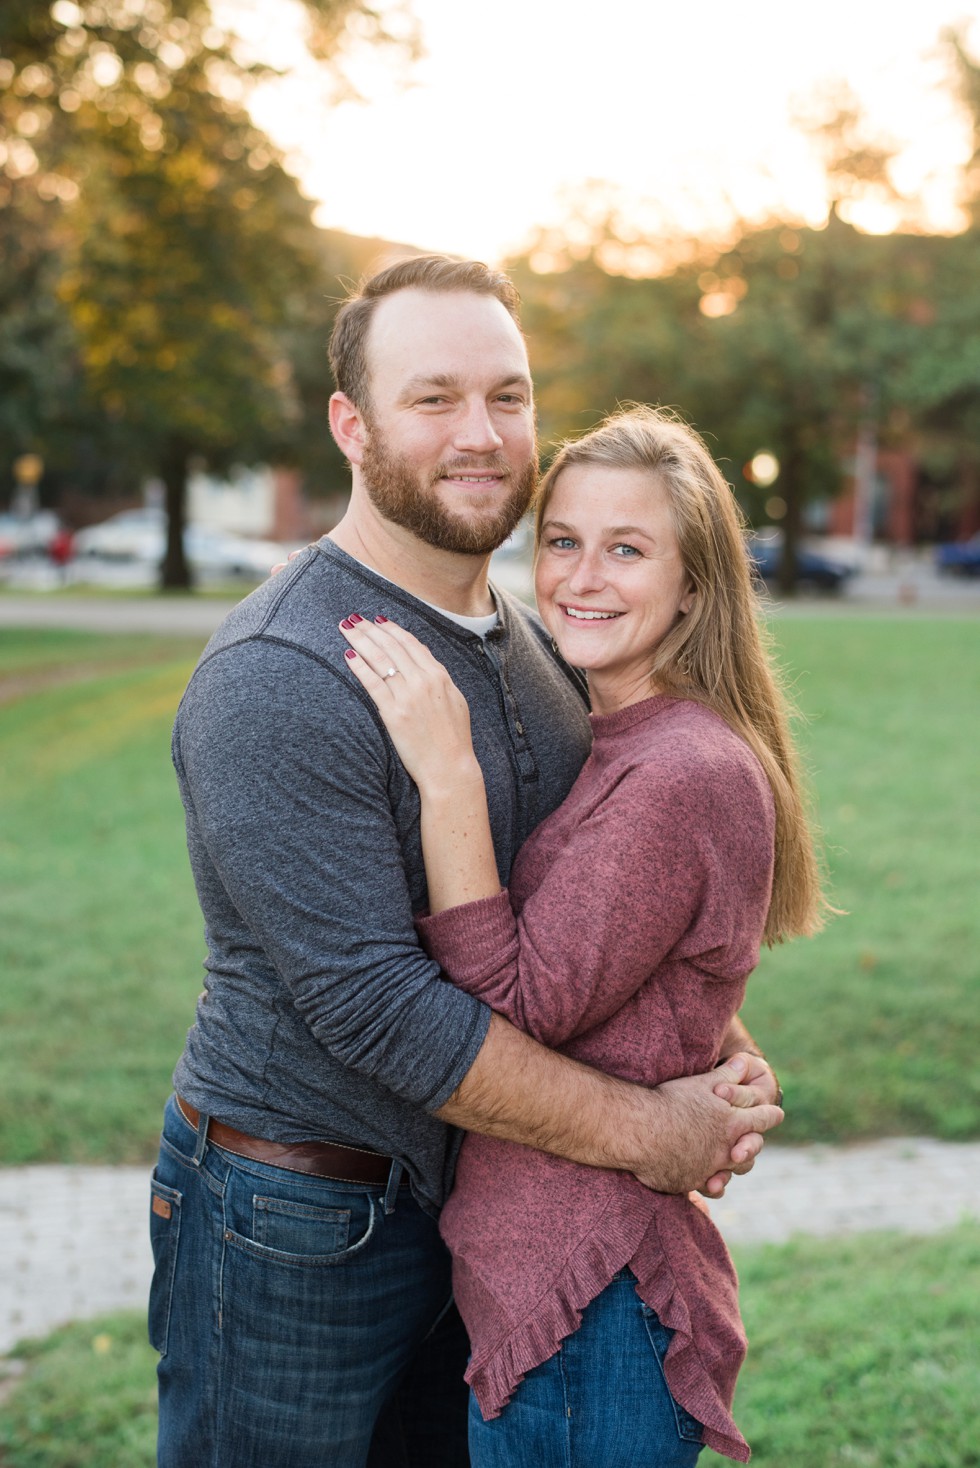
(784,338)
(169,258)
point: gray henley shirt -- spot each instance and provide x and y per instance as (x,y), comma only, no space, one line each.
(321,1016)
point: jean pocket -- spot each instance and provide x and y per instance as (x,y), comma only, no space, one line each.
(689,1429)
(164,1237)
(294,1230)
(299,1228)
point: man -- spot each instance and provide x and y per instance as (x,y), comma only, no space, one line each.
(301,1301)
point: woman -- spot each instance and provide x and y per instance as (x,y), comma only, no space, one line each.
(603,1317)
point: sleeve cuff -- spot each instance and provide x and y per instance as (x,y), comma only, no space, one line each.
(473,941)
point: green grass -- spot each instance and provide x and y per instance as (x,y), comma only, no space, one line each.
(871,1025)
(87,1399)
(861,1352)
(100,936)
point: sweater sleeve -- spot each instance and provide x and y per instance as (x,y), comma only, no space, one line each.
(290,819)
(647,872)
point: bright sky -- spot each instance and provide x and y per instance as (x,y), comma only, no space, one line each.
(684,109)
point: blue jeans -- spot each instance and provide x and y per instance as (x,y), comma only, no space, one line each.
(299,1323)
(600,1402)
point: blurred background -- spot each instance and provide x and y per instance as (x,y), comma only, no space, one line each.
(767,218)
(769,226)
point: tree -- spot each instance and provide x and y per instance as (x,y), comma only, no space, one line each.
(185,253)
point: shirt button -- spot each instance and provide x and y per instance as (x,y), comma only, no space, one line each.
(519,727)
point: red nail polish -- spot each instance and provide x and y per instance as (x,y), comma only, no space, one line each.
(355,617)
(381,619)
(350,653)
(347,624)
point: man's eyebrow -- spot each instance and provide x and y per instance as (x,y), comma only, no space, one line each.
(423,382)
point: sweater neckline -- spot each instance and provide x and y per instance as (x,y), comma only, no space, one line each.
(605,725)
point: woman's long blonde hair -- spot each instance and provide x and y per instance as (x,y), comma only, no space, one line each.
(718,652)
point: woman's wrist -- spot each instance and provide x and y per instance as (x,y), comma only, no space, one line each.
(453,780)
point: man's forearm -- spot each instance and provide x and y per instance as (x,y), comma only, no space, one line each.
(518,1090)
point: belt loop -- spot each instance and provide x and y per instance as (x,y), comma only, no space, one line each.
(202,1138)
(391,1191)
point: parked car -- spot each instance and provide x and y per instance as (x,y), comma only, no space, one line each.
(133,542)
(511,563)
(959,557)
(32,535)
(813,568)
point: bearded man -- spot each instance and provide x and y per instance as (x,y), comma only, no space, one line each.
(301,1302)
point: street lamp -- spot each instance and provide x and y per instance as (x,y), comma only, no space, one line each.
(28,469)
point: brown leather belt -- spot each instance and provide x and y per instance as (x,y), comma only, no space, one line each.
(320,1159)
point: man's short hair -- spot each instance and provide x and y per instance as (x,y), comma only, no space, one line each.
(348,360)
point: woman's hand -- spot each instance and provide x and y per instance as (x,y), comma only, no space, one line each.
(424,712)
(429,723)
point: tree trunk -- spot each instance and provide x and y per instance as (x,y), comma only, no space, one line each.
(792,493)
(175,573)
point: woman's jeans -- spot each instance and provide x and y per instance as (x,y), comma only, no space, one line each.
(600,1402)
(298,1322)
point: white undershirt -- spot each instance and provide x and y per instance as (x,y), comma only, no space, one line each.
(480,625)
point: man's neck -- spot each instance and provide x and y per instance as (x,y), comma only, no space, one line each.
(457,583)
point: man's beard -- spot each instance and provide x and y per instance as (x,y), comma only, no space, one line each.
(398,494)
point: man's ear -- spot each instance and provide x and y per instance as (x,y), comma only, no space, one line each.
(348,427)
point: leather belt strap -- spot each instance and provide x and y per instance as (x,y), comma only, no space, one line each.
(320,1159)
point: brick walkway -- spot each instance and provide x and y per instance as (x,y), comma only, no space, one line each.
(73,1239)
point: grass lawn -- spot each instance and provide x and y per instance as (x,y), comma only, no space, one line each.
(860,1353)
(100,935)
(871,1025)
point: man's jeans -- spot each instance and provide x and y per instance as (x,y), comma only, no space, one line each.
(601,1401)
(298,1322)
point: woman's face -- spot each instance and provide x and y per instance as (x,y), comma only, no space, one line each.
(609,579)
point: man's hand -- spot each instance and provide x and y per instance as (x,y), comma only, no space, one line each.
(702,1135)
(281,565)
(758,1084)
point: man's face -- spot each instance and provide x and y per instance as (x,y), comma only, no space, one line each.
(450,450)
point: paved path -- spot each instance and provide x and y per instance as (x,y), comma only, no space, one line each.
(73,1239)
(172,615)
(903,586)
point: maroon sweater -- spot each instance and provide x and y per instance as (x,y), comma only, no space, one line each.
(633,919)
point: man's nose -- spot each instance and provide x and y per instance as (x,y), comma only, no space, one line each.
(475,433)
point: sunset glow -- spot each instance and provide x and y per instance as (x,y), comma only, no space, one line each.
(675,119)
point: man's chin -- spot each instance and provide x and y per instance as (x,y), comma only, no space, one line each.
(476,531)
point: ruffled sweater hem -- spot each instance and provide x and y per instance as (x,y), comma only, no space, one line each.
(512,1350)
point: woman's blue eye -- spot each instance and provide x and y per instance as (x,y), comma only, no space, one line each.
(627,551)
(561,542)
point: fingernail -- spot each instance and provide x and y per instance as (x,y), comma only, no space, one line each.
(350,653)
(381,619)
(355,617)
(347,624)
(738,1065)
